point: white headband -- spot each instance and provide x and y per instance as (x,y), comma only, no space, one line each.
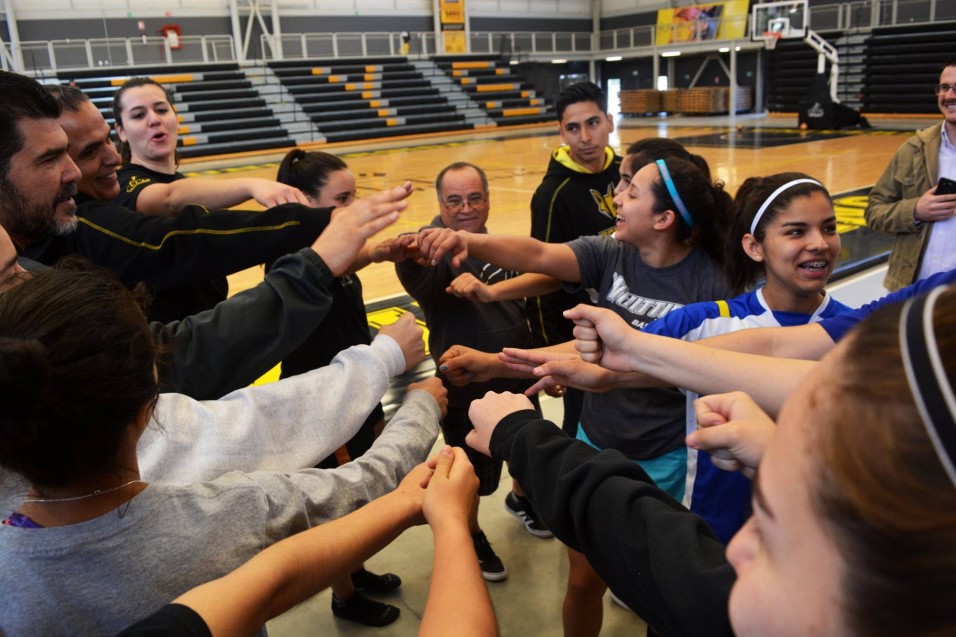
(927,379)
(776,193)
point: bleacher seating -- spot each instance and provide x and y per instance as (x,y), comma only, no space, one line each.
(219,109)
(507,98)
(367,98)
(791,68)
(903,65)
(227,109)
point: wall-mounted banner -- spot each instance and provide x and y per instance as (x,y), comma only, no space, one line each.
(713,21)
(452,15)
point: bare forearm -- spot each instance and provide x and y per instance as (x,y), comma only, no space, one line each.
(707,370)
(297,568)
(523,286)
(807,342)
(169,199)
(525,254)
(458,601)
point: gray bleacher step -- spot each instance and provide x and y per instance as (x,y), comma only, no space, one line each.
(453,93)
(312,136)
(282,103)
(224,148)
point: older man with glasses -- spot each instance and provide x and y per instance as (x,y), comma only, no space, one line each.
(456,319)
(912,200)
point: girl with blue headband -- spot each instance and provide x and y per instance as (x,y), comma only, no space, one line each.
(666,251)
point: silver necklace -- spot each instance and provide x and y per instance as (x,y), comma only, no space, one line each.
(83,497)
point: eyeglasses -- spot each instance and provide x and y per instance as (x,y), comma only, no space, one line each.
(942,89)
(455,204)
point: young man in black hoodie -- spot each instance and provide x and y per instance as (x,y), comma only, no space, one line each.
(575,198)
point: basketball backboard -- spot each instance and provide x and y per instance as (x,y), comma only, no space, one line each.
(789,19)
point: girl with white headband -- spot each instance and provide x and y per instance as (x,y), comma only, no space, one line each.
(784,232)
(667,251)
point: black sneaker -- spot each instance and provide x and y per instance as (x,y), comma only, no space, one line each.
(365,611)
(491,567)
(363,579)
(521,508)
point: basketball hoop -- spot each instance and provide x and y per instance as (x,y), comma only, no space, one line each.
(770,39)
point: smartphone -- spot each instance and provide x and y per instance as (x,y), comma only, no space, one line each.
(946,187)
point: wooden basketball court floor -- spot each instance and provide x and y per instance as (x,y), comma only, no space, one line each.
(515,161)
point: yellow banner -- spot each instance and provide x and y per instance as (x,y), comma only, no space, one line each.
(454,41)
(715,21)
(452,11)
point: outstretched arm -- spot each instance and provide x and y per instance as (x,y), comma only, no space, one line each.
(469,286)
(659,558)
(458,601)
(522,254)
(462,365)
(169,199)
(297,568)
(604,338)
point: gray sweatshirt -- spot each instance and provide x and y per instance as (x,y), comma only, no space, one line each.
(97,577)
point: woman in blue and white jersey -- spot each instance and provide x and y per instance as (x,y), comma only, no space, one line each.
(784,232)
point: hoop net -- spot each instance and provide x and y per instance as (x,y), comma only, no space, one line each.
(770,39)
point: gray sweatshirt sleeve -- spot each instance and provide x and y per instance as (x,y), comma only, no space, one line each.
(282,426)
(217,351)
(405,443)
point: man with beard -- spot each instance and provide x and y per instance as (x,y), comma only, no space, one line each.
(213,352)
(908,201)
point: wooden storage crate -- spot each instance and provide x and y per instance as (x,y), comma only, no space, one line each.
(712,99)
(640,101)
(669,100)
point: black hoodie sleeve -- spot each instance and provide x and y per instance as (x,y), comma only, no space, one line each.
(228,347)
(663,561)
(194,245)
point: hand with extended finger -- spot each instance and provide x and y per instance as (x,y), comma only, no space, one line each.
(341,242)
(436,388)
(271,193)
(733,429)
(470,287)
(409,336)
(526,360)
(485,414)
(435,243)
(451,492)
(573,372)
(462,365)
(602,337)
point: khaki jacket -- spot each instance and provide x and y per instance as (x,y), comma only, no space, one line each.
(911,172)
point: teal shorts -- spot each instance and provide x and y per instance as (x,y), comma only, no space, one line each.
(668,471)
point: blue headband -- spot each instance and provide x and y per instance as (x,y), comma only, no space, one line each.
(672,189)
